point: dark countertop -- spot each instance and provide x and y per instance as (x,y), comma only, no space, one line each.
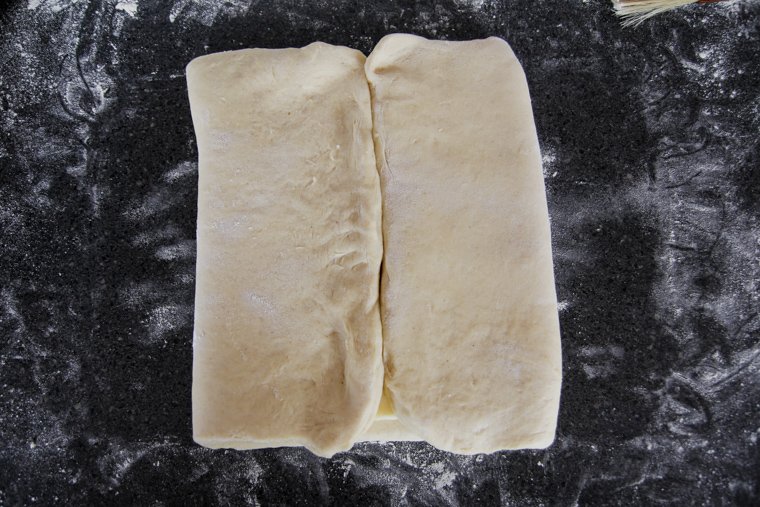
(651,145)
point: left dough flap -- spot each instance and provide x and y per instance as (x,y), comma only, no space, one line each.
(287,342)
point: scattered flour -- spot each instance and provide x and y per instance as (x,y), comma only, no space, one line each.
(207,11)
(128,6)
(167,318)
(182,250)
(182,170)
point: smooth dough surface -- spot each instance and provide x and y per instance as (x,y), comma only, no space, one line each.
(287,344)
(468,305)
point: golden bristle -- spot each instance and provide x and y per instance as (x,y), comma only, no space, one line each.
(634,12)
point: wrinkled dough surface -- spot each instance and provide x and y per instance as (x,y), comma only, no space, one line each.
(287,344)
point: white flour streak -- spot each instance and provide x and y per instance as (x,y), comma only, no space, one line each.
(168,232)
(152,204)
(475,4)
(599,361)
(207,11)
(167,318)
(128,6)
(121,456)
(598,370)
(52,5)
(182,170)
(138,294)
(183,250)
(442,477)
(596,351)
(548,161)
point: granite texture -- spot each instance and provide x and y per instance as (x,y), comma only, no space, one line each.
(651,148)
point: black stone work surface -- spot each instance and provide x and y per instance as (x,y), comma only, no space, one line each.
(651,149)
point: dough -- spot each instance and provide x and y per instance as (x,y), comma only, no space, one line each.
(471,333)
(287,344)
(386,426)
(388,430)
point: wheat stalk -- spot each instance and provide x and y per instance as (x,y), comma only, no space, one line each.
(634,12)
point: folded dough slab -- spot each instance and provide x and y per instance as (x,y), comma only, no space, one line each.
(287,344)
(470,327)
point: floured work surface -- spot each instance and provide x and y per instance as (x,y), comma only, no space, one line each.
(287,346)
(470,327)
